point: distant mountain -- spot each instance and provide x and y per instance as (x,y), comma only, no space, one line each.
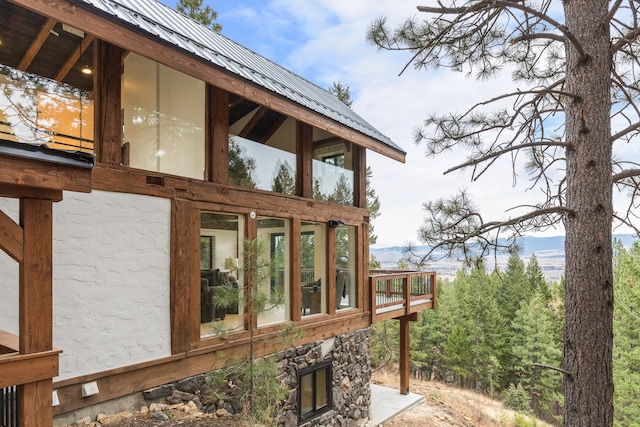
(548,250)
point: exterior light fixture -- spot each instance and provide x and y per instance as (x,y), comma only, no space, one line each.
(333,223)
(86,70)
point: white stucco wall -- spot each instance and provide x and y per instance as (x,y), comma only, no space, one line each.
(110,280)
(9,271)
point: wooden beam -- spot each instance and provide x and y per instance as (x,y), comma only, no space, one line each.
(51,176)
(360,178)
(218,159)
(185,278)
(19,191)
(35,294)
(304,151)
(153,48)
(108,116)
(295,290)
(331,267)
(11,238)
(36,44)
(74,57)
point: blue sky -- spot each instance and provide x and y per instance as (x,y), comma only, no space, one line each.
(324,41)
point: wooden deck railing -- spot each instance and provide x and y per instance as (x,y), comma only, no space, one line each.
(400,293)
(19,370)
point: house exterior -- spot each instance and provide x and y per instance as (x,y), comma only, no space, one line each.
(139,154)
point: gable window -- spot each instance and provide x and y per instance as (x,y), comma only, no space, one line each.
(314,391)
(163,118)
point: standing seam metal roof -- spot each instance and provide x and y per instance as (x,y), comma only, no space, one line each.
(181,31)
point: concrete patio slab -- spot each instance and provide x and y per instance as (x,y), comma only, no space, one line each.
(387,402)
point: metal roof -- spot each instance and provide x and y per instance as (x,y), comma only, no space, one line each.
(181,31)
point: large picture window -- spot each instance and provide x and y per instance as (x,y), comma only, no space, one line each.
(163,118)
(314,391)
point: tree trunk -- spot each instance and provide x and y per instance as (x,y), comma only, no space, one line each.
(588,385)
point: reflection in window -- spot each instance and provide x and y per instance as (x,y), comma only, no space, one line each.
(314,390)
(260,166)
(313,267)
(345,267)
(221,278)
(333,177)
(163,118)
(273,281)
(38,110)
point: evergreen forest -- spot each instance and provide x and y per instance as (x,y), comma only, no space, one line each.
(500,333)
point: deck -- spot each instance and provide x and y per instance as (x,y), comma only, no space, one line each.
(401,293)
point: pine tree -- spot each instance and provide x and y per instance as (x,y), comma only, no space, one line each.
(569,62)
(536,278)
(533,342)
(626,323)
(196,10)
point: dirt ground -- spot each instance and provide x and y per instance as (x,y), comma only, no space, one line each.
(444,406)
(447,406)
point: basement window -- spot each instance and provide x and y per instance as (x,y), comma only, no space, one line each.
(314,391)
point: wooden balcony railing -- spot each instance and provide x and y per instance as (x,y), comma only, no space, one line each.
(399,293)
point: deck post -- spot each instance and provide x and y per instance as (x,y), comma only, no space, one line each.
(404,350)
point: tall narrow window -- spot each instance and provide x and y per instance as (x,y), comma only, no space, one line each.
(345,267)
(314,391)
(273,279)
(313,267)
(221,276)
(163,118)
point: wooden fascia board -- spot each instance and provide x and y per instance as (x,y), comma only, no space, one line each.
(22,171)
(109,30)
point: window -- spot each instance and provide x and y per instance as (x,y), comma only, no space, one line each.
(333,173)
(262,148)
(38,110)
(273,271)
(221,278)
(313,267)
(345,250)
(314,391)
(163,118)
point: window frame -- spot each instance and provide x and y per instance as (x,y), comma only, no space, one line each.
(314,370)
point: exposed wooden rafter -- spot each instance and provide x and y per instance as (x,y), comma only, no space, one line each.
(253,122)
(73,58)
(36,45)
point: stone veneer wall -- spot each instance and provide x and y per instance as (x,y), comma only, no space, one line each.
(351,392)
(351,370)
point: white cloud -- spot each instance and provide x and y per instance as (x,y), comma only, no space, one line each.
(324,41)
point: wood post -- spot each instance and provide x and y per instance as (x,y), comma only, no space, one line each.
(404,355)
(36,309)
